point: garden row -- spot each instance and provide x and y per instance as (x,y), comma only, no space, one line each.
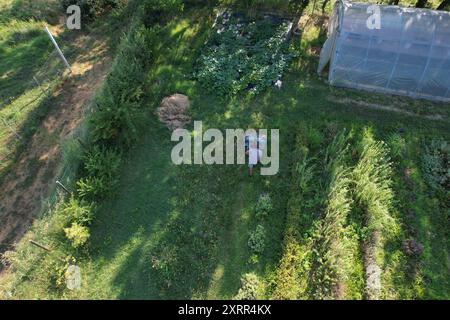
(335,238)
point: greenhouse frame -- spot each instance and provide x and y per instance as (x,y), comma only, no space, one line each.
(407,53)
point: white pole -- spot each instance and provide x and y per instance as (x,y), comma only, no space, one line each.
(58,49)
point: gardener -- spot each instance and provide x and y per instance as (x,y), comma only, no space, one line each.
(254,156)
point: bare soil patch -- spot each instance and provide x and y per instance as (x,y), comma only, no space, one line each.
(359,103)
(32,177)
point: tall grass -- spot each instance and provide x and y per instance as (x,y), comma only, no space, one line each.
(335,271)
(373,193)
(289,282)
(321,258)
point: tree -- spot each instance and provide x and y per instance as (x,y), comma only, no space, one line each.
(394,2)
(421,3)
(444,4)
(324,5)
(297,6)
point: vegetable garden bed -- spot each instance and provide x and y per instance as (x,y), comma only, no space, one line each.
(244,54)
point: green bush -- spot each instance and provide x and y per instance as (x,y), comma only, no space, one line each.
(90,9)
(257,239)
(159,11)
(397,145)
(288,284)
(120,101)
(249,287)
(436,165)
(77,234)
(101,166)
(42,10)
(78,211)
(263,207)
(243,56)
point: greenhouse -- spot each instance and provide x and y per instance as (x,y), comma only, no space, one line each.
(407,53)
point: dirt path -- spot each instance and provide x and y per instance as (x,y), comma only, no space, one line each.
(228,246)
(348,101)
(32,177)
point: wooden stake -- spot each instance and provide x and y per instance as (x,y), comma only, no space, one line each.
(82,144)
(40,245)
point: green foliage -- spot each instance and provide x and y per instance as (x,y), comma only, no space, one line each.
(334,253)
(120,103)
(256,241)
(243,56)
(160,11)
(372,178)
(436,165)
(249,287)
(77,234)
(26,10)
(77,211)
(90,9)
(287,281)
(101,166)
(330,252)
(263,207)
(298,5)
(171,243)
(397,145)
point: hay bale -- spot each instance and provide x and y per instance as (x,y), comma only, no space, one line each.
(173,111)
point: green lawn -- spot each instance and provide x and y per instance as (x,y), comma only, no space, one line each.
(182,231)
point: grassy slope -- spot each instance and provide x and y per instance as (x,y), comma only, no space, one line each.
(181,232)
(24,50)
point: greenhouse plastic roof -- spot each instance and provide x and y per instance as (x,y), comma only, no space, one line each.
(409,54)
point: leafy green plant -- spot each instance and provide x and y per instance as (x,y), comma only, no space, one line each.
(77,234)
(90,9)
(101,165)
(249,287)
(372,179)
(243,55)
(436,165)
(263,207)
(159,11)
(119,103)
(397,145)
(78,211)
(256,241)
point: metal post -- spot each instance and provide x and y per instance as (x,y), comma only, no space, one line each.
(58,183)
(58,49)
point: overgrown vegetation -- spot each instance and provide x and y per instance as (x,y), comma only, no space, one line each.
(244,55)
(90,9)
(436,165)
